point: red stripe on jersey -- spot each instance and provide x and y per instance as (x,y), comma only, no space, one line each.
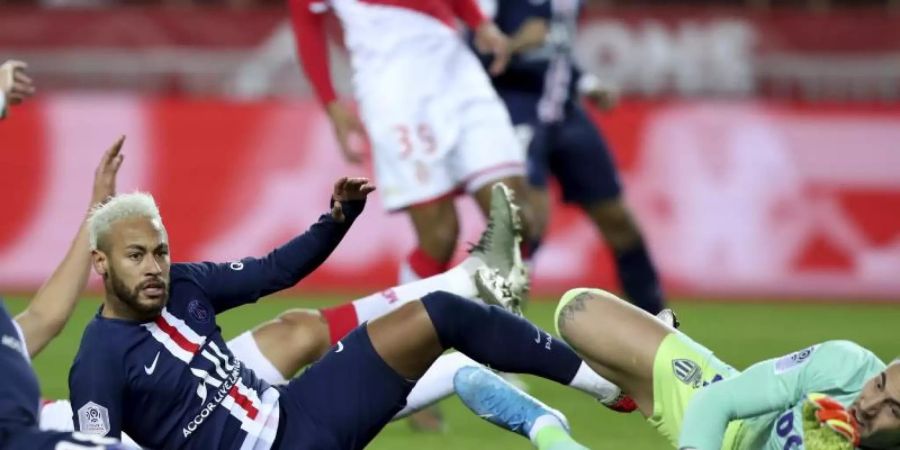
(245,403)
(176,336)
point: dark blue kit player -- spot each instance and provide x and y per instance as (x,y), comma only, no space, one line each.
(541,88)
(20,400)
(153,364)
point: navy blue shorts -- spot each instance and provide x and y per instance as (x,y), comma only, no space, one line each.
(573,151)
(343,400)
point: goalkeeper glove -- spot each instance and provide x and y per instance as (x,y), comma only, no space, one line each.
(827,425)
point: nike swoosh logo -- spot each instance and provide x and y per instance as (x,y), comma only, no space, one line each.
(152,367)
(537,340)
(340,347)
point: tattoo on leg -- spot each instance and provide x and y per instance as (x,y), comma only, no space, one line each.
(575,305)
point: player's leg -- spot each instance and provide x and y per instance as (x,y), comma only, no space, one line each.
(437,229)
(587,174)
(615,338)
(499,402)
(278,349)
(660,367)
(365,379)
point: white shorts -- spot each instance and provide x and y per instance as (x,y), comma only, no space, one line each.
(436,125)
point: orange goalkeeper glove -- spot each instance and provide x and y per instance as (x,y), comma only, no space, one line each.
(822,411)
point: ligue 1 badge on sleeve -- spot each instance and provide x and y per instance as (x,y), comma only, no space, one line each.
(93,419)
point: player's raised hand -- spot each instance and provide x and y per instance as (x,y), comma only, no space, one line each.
(349,131)
(490,40)
(347,189)
(105,175)
(14,82)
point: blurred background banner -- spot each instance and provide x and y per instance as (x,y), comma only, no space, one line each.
(650,51)
(741,198)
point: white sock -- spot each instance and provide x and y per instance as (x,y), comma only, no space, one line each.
(457,280)
(547,420)
(246,350)
(436,384)
(591,382)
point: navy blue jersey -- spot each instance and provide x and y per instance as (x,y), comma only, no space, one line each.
(548,73)
(20,398)
(19,391)
(172,382)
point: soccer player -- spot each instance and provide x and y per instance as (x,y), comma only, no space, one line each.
(15,85)
(698,402)
(276,350)
(25,335)
(153,363)
(19,398)
(435,124)
(541,88)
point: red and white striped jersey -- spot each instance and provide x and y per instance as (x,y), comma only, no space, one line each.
(377,33)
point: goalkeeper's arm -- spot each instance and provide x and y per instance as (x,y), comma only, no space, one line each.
(757,390)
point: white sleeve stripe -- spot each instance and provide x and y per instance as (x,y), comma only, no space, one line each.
(22,340)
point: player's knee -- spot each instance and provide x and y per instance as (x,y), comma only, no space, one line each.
(305,330)
(573,307)
(616,223)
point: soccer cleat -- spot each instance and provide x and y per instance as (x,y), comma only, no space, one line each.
(668,317)
(496,290)
(498,246)
(498,402)
(621,404)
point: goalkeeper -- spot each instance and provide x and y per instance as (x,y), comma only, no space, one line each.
(832,396)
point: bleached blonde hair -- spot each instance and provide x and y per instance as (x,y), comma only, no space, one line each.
(122,206)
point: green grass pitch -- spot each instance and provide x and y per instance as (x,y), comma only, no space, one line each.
(739,333)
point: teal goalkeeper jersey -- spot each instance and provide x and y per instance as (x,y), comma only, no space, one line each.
(768,397)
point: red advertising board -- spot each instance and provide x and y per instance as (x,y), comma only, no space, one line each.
(737,198)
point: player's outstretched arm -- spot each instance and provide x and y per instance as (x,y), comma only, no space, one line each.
(234,284)
(756,391)
(311,37)
(51,307)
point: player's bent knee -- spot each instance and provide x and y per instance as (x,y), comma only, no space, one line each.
(616,222)
(305,328)
(572,306)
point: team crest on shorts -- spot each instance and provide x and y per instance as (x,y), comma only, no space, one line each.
(93,419)
(687,371)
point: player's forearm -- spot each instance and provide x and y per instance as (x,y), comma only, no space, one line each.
(758,390)
(532,34)
(50,309)
(287,265)
(2,104)
(706,419)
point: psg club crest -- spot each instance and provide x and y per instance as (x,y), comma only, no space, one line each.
(198,311)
